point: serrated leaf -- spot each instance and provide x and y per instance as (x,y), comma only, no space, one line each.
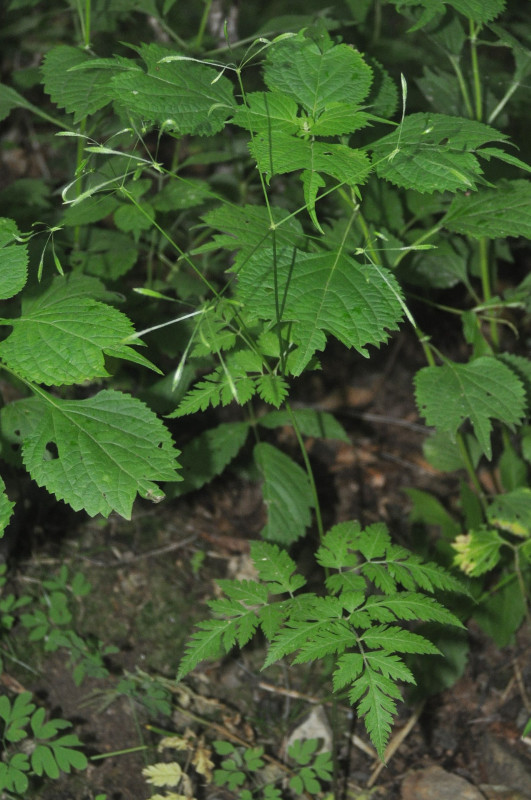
(266,111)
(478,551)
(512,512)
(276,568)
(209,454)
(13,260)
(248,228)
(273,389)
(337,546)
(389,665)
(249,593)
(482,390)
(433,152)
(375,694)
(373,541)
(408,606)
(292,637)
(287,495)
(62,339)
(396,640)
(80,93)
(335,639)
(181,95)
(6,508)
(163,774)
(98,453)
(314,78)
(494,213)
(323,293)
(221,387)
(205,643)
(278,153)
(477,10)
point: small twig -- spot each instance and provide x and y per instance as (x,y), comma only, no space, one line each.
(521,686)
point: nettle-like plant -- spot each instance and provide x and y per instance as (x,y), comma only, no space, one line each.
(338,209)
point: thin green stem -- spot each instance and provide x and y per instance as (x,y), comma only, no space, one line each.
(125,752)
(478,99)
(467,461)
(203,24)
(87,26)
(309,471)
(521,584)
(454,61)
(486,285)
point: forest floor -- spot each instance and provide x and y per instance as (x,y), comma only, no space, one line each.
(149,588)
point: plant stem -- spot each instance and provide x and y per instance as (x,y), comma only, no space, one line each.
(474,29)
(521,584)
(202,25)
(309,471)
(486,285)
(465,455)
(454,61)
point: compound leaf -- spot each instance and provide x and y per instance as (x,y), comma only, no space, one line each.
(276,568)
(482,390)
(98,453)
(325,292)
(13,260)
(494,213)
(287,495)
(478,551)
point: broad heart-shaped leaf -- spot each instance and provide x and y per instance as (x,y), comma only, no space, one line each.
(494,213)
(180,95)
(13,260)
(433,152)
(61,337)
(322,293)
(316,77)
(79,92)
(287,495)
(97,454)
(480,391)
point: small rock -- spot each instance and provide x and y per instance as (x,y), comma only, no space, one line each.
(434,783)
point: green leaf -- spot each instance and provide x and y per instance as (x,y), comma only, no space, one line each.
(408,606)
(12,774)
(482,390)
(502,612)
(316,77)
(276,568)
(428,510)
(209,454)
(336,550)
(477,10)
(43,761)
(61,338)
(6,508)
(98,453)
(396,640)
(433,152)
(376,695)
(287,495)
(13,260)
(273,389)
(327,292)
(478,551)
(79,92)
(495,213)
(278,153)
(320,424)
(266,111)
(512,512)
(180,95)
(205,643)
(109,254)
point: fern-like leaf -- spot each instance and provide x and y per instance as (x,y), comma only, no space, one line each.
(276,568)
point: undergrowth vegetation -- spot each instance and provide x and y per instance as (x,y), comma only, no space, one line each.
(229,206)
